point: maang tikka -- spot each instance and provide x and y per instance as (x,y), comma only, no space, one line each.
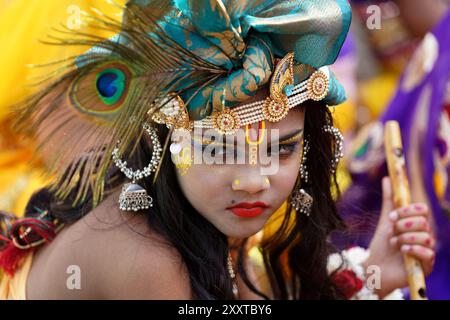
(133,196)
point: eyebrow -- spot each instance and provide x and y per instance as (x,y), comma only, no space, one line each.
(295,135)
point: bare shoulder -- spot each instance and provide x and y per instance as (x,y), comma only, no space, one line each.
(115,255)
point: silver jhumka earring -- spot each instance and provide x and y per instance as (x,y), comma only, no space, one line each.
(133,196)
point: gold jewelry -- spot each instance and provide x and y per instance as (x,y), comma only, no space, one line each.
(317,86)
(173,113)
(283,97)
(274,108)
(226,121)
(237,182)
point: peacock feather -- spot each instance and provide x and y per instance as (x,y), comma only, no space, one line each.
(91,102)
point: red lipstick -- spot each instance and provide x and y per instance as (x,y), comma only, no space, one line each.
(248,210)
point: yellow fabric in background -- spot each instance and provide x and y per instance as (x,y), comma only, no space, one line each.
(23,24)
(377,92)
(18,180)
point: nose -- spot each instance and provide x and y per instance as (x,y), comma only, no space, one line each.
(251,183)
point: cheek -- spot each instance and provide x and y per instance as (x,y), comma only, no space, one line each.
(202,182)
(283,182)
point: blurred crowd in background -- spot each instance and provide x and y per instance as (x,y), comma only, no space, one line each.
(395,65)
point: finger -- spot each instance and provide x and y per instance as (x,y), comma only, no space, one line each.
(412,238)
(386,187)
(423,254)
(411,224)
(417,209)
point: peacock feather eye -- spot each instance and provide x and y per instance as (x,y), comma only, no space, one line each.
(110,85)
(102,91)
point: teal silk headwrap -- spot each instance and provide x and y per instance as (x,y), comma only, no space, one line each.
(245,37)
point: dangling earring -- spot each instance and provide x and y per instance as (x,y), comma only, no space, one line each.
(303,169)
(301,200)
(134,197)
(339,147)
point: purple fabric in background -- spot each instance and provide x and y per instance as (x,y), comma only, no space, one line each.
(363,199)
(348,47)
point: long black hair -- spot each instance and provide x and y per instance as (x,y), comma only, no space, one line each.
(295,256)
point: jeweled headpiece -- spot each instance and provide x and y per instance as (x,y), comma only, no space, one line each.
(283,96)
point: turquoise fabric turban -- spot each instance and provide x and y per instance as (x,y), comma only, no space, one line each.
(245,37)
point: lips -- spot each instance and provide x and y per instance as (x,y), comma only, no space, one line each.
(248,210)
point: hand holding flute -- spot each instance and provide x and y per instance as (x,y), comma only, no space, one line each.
(402,197)
(402,247)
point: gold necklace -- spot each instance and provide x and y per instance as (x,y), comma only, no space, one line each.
(232,276)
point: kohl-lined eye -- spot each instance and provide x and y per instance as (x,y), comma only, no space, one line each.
(220,150)
(282,149)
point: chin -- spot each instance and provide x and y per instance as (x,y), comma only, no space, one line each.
(242,227)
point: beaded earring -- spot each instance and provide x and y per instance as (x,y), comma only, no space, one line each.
(133,196)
